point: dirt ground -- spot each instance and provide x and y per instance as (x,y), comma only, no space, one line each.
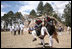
(8,40)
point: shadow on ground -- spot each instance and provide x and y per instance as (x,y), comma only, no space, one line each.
(45,47)
(45,44)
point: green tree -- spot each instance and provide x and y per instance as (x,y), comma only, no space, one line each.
(67,14)
(10,14)
(57,17)
(18,15)
(5,18)
(33,13)
(48,9)
(8,17)
(40,8)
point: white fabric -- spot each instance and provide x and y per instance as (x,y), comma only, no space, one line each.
(43,30)
(34,33)
(68,29)
(10,29)
(42,40)
(21,26)
(15,28)
(50,41)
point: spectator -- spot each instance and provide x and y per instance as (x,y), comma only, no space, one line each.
(68,30)
(21,28)
(15,29)
(11,29)
(60,29)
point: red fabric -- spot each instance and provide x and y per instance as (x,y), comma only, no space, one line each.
(48,18)
(38,21)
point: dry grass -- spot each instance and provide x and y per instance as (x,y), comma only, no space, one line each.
(8,40)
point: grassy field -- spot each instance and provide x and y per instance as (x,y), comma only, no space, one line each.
(8,40)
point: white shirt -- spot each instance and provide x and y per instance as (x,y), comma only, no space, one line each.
(68,28)
(12,27)
(17,27)
(21,26)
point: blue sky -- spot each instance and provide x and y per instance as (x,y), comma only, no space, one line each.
(26,6)
(10,5)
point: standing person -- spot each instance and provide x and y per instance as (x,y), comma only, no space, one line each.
(68,30)
(21,28)
(40,28)
(11,29)
(51,31)
(43,33)
(18,28)
(37,29)
(15,29)
(60,29)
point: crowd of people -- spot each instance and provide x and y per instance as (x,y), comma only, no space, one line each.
(17,28)
(41,29)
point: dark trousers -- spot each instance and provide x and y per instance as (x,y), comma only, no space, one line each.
(19,32)
(14,32)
